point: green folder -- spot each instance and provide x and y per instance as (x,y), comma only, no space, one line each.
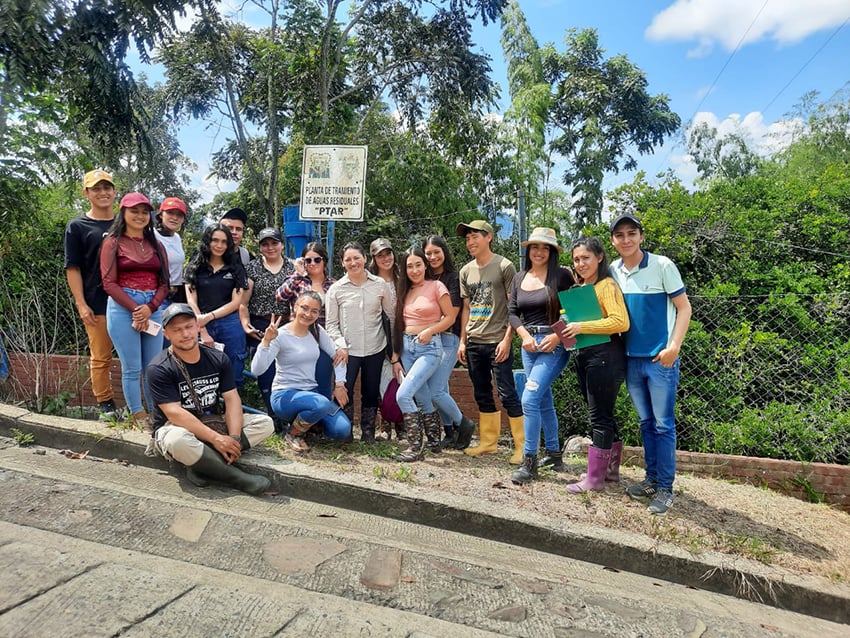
(580,304)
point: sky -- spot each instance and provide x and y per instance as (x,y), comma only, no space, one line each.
(739,65)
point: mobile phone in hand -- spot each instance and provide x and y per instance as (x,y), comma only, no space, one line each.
(153,328)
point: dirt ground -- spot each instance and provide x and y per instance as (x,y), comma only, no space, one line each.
(708,514)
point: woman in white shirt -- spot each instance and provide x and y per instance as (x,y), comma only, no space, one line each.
(353,308)
(294,348)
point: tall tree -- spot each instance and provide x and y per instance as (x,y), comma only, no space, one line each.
(323,73)
(602,114)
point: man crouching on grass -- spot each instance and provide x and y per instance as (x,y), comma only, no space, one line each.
(178,431)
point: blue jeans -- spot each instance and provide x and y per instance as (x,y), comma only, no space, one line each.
(228,330)
(312,407)
(439,381)
(420,361)
(481,358)
(135,349)
(652,388)
(538,404)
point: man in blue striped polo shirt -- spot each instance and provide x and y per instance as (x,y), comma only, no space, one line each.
(659,313)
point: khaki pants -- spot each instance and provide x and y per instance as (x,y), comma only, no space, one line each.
(181,445)
(100,346)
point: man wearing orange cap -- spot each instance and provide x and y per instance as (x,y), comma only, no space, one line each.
(82,239)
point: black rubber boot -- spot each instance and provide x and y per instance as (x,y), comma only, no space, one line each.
(414,439)
(464,432)
(526,472)
(553,460)
(450,439)
(367,424)
(211,465)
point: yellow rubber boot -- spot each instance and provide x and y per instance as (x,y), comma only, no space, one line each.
(518,432)
(488,434)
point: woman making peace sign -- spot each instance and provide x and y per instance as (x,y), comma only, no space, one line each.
(295,349)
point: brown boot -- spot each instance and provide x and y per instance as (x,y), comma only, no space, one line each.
(433,424)
(414,439)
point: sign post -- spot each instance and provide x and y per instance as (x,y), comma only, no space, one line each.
(333,183)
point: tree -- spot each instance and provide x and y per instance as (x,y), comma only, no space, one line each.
(602,113)
(314,77)
(716,157)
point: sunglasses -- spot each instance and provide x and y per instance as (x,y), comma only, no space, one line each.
(313,260)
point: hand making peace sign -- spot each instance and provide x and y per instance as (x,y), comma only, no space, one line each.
(271,332)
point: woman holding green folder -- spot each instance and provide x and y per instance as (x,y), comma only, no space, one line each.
(601,368)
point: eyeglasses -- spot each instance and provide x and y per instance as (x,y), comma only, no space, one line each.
(313,260)
(307,310)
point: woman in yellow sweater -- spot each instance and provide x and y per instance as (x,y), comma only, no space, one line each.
(601,368)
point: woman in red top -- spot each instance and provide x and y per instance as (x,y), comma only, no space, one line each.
(134,269)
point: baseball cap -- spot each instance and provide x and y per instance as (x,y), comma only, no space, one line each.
(173,203)
(93,177)
(134,199)
(269,233)
(475,224)
(236,213)
(175,310)
(378,245)
(626,217)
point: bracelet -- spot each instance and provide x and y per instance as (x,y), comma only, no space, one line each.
(212,312)
(238,439)
(394,362)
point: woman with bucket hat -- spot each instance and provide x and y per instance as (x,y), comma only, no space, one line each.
(533,308)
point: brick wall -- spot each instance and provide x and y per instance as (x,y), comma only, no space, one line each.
(51,375)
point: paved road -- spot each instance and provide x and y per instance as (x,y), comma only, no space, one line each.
(91,548)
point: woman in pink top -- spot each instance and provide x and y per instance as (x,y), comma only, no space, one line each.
(423,311)
(134,269)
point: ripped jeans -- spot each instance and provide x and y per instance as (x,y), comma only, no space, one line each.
(538,404)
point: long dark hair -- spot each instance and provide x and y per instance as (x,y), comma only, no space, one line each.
(119,227)
(553,273)
(316,247)
(595,246)
(396,272)
(403,287)
(201,257)
(440,242)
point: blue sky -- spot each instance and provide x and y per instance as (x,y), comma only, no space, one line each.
(736,64)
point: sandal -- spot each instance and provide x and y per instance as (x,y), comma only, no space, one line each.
(296,442)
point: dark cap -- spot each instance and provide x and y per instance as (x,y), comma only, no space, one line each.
(175,310)
(269,233)
(478,225)
(236,213)
(380,244)
(626,217)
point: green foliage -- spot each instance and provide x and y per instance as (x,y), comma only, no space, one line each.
(600,109)
(21,438)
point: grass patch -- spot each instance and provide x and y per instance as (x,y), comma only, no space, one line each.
(21,438)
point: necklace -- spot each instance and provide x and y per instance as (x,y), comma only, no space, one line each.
(140,242)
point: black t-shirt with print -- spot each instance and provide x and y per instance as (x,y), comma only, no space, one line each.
(211,376)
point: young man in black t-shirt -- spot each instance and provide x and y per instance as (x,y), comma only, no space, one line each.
(82,239)
(179,433)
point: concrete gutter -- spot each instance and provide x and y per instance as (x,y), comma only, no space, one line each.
(629,552)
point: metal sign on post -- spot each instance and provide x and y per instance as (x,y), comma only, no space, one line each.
(333,183)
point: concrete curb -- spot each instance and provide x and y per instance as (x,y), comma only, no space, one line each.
(611,548)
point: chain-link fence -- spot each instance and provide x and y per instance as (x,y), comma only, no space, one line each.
(761,376)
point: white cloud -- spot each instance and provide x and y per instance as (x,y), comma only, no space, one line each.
(726,22)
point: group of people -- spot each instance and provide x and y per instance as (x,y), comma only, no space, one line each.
(399,325)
